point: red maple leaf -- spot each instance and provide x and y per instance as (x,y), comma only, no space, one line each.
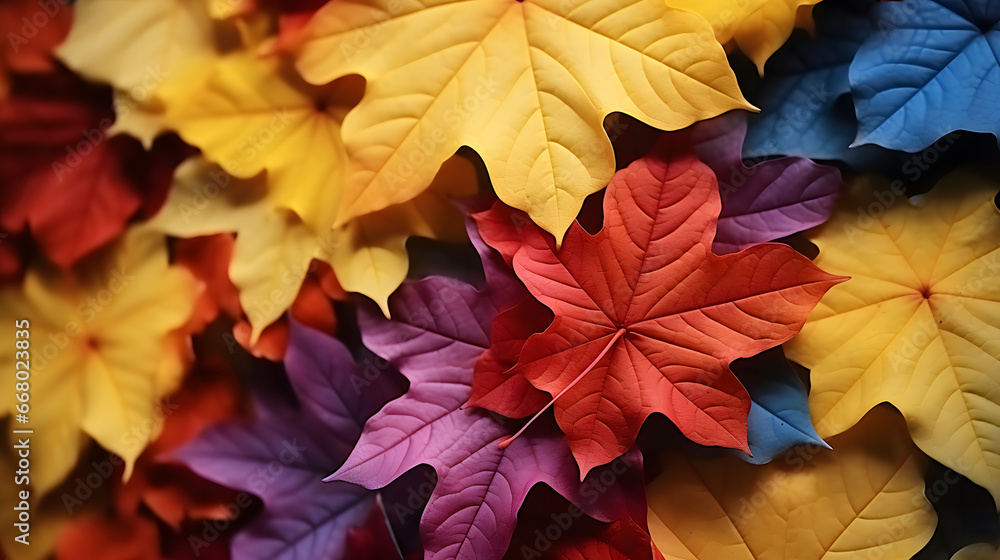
(61,175)
(31,29)
(647,318)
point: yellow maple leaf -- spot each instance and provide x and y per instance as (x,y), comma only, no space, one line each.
(864,499)
(274,248)
(136,46)
(100,351)
(140,119)
(918,324)
(525,84)
(758,27)
(250,114)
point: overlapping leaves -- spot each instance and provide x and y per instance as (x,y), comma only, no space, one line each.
(440,328)
(309,182)
(105,353)
(835,503)
(525,84)
(654,312)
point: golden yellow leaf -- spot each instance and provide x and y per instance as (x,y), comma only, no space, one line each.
(274,248)
(759,27)
(918,325)
(863,499)
(525,84)
(137,46)
(368,254)
(141,119)
(250,114)
(99,355)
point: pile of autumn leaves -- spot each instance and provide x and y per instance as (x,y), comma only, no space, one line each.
(182,178)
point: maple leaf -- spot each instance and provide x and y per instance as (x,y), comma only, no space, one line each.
(208,396)
(917,318)
(249,114)
(208,258)
(101,351)
(758,27)
(936,50)
(525,84)
(622,540)
(137,46)
(283,454)
(655,314)
(274,248)
(64,179)
(766,201)
(492,379)
(863,498)
(170,491)
(312,307)
(441,328)
(779,413)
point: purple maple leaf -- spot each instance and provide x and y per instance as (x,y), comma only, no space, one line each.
(763,202)
(283,454)
(440,328)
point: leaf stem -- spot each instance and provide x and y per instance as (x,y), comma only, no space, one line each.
(508,441)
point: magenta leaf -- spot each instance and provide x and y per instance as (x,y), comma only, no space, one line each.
(283,454)
(763,202)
